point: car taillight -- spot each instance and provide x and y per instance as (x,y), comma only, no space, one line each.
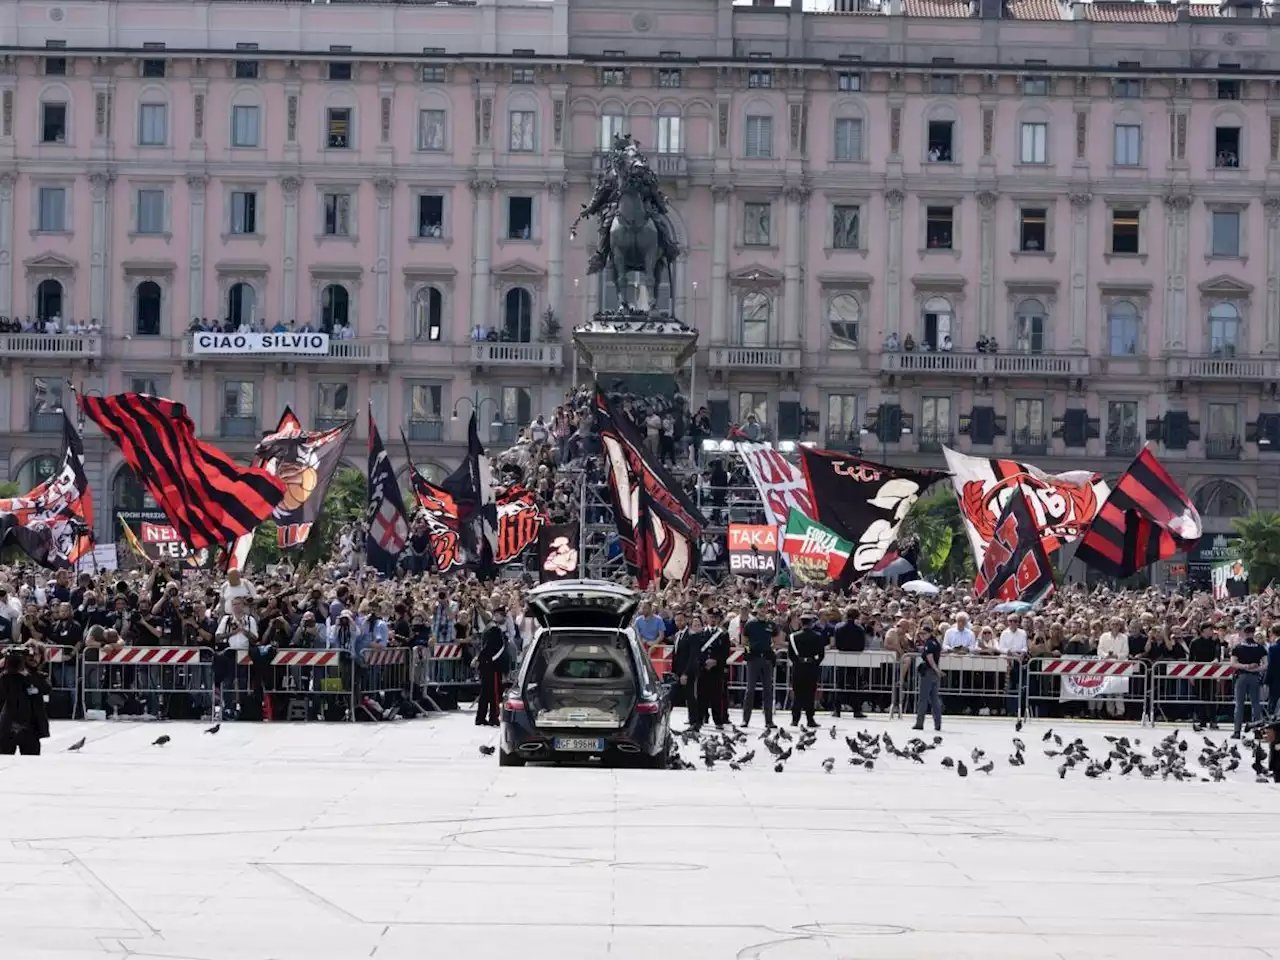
(514,704)
(647,706)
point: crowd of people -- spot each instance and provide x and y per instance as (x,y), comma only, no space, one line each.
(52,324)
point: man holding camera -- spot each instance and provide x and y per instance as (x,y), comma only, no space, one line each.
(24,721)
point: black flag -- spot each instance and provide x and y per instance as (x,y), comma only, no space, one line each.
(388,529)
(1015,565)
(558,552)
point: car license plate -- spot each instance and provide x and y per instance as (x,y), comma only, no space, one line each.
(580,744)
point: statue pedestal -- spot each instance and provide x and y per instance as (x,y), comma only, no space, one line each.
(622,345)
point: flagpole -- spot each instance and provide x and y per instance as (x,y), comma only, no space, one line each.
(582,524)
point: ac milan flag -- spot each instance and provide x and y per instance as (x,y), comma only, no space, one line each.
(862,501)
(53,524)
(208,497)
(519,522)
(388,530)
(1015,566)
(471,488)
(558,552)
(441,512)
(1146,518)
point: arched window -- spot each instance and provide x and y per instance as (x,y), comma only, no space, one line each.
(36,471)
(670,131)
(1122,329)
(757,312)
(49,299)
(1029,327)
(938,324)
(335,307)
(242,303)
(428,309)
(843,314)
(517,317)
(612,124)
(1221,498)
(1224,330)
(146,309)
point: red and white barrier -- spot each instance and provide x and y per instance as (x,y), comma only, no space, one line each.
(1199,671)
(150,655)
(1095,668)
(378,657)
(447,651)
(296,658)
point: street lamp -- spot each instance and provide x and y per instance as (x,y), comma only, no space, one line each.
(477,406)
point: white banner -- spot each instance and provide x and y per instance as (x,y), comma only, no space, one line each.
(780,482)
(309,344)
(103,558)
(1090,687)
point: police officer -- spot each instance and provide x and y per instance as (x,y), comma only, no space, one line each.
(711,657)
(684,666)
(1249,657)
(929,671)
(805,650)
(492,661)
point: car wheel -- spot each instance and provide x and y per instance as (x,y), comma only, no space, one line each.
(509,759)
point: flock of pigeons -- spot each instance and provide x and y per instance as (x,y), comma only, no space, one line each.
(159,741)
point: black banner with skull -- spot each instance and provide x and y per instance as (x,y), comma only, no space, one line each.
(558,552)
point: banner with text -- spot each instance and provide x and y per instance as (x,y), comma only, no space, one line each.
(161,542)
(753,549)
(308,344)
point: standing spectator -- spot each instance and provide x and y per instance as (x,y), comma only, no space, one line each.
(1273,671)
(930,673)
(758,635)
(1013,644)
(960,637)
(236,586)
(649,627)
(653,434)
(1249,657)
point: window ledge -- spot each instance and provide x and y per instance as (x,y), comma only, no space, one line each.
(534,242)
(228,237)
(1036,254)
(1120,169)
(246,151)
(338,151)
(1241,259)
(337,238)
(841,251)
(1232,173)
(153,146)
(37,232)
(940,251)
(446,242)
(1032,165)
(755,247)
(940,164)
(849,162)
(431,151)
(1140,257)
(164,235)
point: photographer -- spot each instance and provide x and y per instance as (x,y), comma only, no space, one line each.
(198,628)
(309,635)
(23,720)
(168,615)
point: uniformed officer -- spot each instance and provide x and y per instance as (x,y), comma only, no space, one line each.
(684,665)
(712,657)
(492,661)
(805,650)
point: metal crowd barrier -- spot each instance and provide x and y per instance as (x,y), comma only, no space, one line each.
(1181,691)
(444,665)
(171,683)
(975,681)
(293,685)
(850,679)
(1115,689)
(737,680)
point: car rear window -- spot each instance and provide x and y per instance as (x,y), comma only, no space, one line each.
(588,668)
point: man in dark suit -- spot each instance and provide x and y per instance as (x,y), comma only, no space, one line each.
(492,661)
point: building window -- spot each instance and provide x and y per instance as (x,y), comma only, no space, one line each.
(433,73)
(52,210)
(431,217)
(1125,222)
(670,138)
(1033,229)
(151,386)
(756,313)
(517,410)
(1226,233)
(338,128)
(759,145)
(431,128)
(1122,329)
(843,314)
(1127,88)
(1029,331)
(849,139)
(1028,424)
(245,126)
(244,212)
(523,124)
(520,218)
(613,77)
(1226,147)
(753,407)
(523,75)
(760,79)
(48,299)
(1035,142)
(844,227)
(935,422)
(239,408)
(340,70)
(1122,428)
(938,320)
(55,66)
(843,426)
(333,403)
(147,299)
(942,83)
(151,219)
(517,316)
(46,405)
(335,307)
(941,135)
(1035,86)
(426,402)
(939,226)
(1228,89)
(53,123)
(669,77)
(611,126)
(756,224)
(1224,330)
(1223,439)
(154,69)
(848,82)
(153,124)
(242,304)
(428,313)
(246,70)
(337,214)
(1128,145)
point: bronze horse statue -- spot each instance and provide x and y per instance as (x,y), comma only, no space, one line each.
(634,243)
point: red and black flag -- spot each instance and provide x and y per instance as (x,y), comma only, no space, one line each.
(388,529)
(658,523)
(862,501)
(1146,518)
(53,524)
(1015,565)
(437,506)
(208,497)
(471,488)
(519,521)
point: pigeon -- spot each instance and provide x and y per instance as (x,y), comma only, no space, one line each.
(1017,727)
(832,731)
(783,735)
(734,765)
(977,755)
(215,728)
(869,764)
(1057,740)
(1052,753)
(78,745)
(937,741)
(161,740)
(1019,745)
(1062,772)
(1016,760)
(948,762)
(785,754)
(777,768)
(961,768)
(1048,734)
(748,756)
(987,767)
(1196,726)
(828,764)
(486,750)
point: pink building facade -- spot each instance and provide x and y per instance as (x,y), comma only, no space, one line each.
(1041,229)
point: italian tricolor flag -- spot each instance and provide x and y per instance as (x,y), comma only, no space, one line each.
(816,554)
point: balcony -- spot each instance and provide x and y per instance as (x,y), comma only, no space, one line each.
(1244,369)
(43,421)
(668,166)
(986,364)
(240,427)
(846,441)
(965,364)
(508,432)
(932,441)
(1038,364)
(546,356)
(755,358)
(1123,445)
(371,351)
(426,431)
(51,346)
(1033,443)
(1222,446)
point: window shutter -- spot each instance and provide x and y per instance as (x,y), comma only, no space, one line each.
(890,423)
(1093,428)
(982,429)
(1155,429)
(1075,427)
(719,411)
(871,421)
(788,420)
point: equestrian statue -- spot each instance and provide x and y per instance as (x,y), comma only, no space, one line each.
(635,234)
